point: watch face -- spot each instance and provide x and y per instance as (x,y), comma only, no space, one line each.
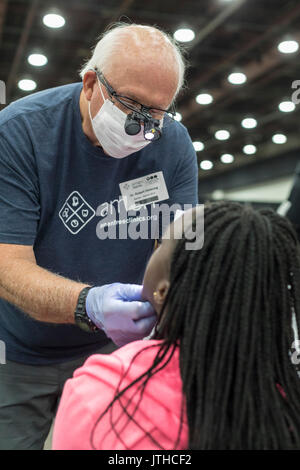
(84,325)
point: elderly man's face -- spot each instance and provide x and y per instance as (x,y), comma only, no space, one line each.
(143,69)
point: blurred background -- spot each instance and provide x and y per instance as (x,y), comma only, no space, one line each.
(238,103)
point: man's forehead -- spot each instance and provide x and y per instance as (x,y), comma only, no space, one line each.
(144,84)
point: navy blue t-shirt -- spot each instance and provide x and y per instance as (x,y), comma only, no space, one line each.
(52,181)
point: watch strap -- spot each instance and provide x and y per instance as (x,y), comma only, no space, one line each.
(80,311)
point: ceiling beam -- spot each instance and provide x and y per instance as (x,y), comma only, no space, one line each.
(21,47)
(271,60)
(100,27)
(201,79)
(116,15)
(217,21)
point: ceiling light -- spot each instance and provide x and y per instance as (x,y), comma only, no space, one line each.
(227,158)
(198,146)
(222,135)
(27,85)
(287,106)
(178,117)
(288,47)
(38,60)
(218,194)
(184,35)
(204,98)
(249,123)
(279,139)
(206,165)
(237,78)
(249,149)
(54,21)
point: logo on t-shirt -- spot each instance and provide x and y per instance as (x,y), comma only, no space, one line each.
(76,213)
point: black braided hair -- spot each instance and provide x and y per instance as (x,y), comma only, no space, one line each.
(230,308)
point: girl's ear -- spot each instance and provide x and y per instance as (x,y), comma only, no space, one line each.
(161,292)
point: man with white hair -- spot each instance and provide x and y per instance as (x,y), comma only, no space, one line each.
(73,160)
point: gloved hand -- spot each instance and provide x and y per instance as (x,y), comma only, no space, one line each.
(119,311)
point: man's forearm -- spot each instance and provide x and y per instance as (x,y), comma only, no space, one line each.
(41,294)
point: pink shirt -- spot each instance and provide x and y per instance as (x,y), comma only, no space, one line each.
(92,388)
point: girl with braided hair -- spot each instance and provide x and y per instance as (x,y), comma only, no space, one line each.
(218,372)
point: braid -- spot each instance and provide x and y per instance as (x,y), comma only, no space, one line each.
(233,311)
(230,307)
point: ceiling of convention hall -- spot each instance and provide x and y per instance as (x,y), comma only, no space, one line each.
(242,57)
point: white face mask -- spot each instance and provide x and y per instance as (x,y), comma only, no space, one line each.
(108,126)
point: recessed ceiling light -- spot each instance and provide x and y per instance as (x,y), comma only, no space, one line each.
(54,21)
(198,146)
(237,78)
(206,165)
(218,194)
(222,135)
(288,47)
(204,98)
(38,60)
(249,149)
(27,85)
(227,158)
(184,35)
(249,123)
(287,106)
(279,139)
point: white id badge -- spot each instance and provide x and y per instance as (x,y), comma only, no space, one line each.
(145,190)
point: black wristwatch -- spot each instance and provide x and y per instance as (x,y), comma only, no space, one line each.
(81,317)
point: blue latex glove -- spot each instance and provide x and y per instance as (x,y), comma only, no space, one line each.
(119,311)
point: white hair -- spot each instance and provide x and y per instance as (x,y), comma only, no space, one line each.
(112,40)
